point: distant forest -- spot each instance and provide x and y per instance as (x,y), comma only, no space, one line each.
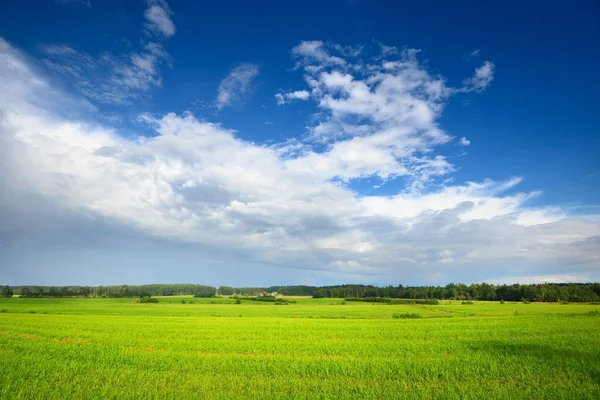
(546,292)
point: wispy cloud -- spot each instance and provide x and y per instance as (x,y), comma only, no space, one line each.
(283,98)
(109,78)
(475,54)
(158,18)
(482,78)
(312,54)
(236,85)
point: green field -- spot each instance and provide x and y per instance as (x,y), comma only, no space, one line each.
(316,348)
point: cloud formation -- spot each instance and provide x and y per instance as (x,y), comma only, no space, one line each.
(315,51)
(378,116)
(283,98)
(116,79)
(482,78)
(236,85)
(288,205)
(158,18)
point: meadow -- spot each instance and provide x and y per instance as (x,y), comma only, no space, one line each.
(316,348)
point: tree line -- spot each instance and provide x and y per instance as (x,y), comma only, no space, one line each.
(115,290)
(545,292)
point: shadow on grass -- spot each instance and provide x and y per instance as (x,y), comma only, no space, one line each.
(572,359)
(502,348)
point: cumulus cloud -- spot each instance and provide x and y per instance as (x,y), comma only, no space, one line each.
(286,205)
(236,85)
(158,18)
(283,98)
(377,116)
(464,141)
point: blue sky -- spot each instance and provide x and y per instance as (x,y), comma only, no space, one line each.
(310,143)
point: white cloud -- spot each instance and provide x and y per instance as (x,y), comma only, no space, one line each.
(482,78)
(236,86)
(283,205)
(542,216)
(474,54)
(158,18)
(111,79)
(283,98)
(107,78)
(378,115)
(464,141)
(313,52)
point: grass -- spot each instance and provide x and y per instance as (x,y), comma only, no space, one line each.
(406,315)
(116,348)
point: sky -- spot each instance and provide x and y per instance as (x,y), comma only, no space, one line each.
(246,144)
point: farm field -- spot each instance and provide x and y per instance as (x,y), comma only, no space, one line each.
(316,348)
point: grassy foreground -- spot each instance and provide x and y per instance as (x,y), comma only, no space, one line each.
(317,348)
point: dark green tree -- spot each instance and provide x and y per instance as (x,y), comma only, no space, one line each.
(6,291)
(226,290)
